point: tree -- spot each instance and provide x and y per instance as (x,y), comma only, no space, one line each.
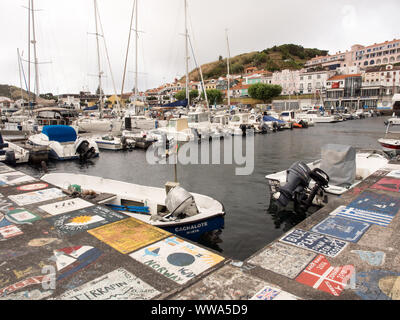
(181,95)
(264,92)
(214,96)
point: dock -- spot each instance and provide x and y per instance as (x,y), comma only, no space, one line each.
(55,246)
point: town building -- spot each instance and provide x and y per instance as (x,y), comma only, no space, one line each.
(387,52)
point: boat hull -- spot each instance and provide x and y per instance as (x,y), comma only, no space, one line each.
(195,230)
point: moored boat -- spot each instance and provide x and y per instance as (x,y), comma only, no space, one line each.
(64,143)
(164,210)
(340,169)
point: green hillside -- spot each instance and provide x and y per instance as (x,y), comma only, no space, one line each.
(277,58)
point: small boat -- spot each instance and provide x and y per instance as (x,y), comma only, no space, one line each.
(177,129)
(391,141)
(11,153)
(290,117)
(189,215)
(64,143)
(142,140)
(94,124)
(111,142)
(340,169)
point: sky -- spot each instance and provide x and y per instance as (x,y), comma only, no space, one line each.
(67,51)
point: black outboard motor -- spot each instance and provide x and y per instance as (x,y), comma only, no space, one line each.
(296,188)
(84,151)
(298,178)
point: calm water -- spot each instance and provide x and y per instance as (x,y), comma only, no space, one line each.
(248,224)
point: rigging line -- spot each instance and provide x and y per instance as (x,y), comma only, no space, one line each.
(201,73)
(199,67)
(127,51)
(108,59)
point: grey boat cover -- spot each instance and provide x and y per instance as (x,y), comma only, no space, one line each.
(339,162)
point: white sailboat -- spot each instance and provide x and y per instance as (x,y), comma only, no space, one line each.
(99,124)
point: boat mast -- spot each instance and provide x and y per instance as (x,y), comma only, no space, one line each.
(35,55)
(29,53)
(187,55)
(228,62)
(20,79)
(127,53)
(98,59)
(136,51)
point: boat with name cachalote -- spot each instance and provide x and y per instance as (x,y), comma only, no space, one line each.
(173,209)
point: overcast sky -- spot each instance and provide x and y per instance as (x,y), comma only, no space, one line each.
(63,27)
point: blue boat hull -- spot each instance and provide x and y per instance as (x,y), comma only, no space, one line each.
(193,231)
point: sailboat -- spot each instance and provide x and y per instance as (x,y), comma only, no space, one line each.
(99,124)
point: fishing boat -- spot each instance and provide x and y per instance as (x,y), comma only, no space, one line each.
(189,215)
(64,143)
(340,169)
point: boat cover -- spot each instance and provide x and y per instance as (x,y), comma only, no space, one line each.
(60,133)
(180,103)
(339,162)
(269,118)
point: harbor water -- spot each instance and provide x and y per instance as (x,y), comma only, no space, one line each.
(249,224)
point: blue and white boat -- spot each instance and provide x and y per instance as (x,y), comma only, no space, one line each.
(64,143)
(207,216)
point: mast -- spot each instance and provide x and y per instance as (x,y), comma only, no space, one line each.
(187,55)
(127,53)
(35,55)
(20,78)
(136,50)
(29,53)
(98,59)
(228,62)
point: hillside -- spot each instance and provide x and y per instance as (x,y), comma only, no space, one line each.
(277,58)
(14,93)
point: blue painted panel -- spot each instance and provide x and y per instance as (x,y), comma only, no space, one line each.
(345,229)
(315,242)
(374,202)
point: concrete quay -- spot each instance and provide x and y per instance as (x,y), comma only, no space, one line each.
(347,250)
(57,247)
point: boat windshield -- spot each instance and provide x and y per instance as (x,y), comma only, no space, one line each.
(198,117)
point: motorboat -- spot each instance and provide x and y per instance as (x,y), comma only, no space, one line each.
(177,129)
(239,124)
(219,124)
(185,214)
(112,142)
(94,124)
(200,121)
(290,117)
(12,153)
(340,169)
(142,139)
(64,143)
(316,117)
(391,141)
(273,123)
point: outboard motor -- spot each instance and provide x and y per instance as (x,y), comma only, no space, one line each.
(297,186)
(298,178)
(85,151)
(179,202)
(10,157)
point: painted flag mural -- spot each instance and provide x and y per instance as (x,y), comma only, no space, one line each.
(322,276)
